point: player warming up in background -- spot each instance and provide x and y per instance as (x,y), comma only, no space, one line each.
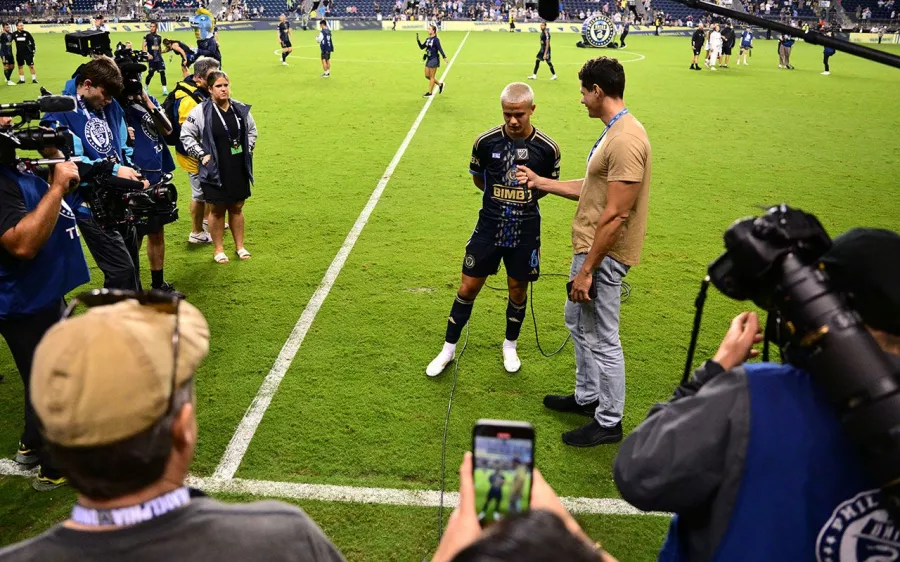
(153,47)
(25,50)
(432,47)
(697,45)
(746,45)
(327,47)
(509,223)
(544,53)
(284,37)
(186,53)
(6,53)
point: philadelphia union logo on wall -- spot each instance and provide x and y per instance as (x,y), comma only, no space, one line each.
(859,529)
(98,135)
(598,31)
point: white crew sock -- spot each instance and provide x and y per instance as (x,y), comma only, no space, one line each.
(449,349)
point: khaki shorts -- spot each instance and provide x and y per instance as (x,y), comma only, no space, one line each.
(196,191)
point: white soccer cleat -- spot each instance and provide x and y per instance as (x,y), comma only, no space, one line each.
(439,363)
(533,77)
(712,68)
(165,92)
(511,361)
(553,77)
(826,73)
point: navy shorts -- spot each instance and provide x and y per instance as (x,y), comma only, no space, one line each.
(483,257)
(157,64)
(326,55)
(7,57)
(286,44)
(433,63)
(540,55)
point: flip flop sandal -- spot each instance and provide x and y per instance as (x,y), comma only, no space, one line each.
(243,254)
(221,258)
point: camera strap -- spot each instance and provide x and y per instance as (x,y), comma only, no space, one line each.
(132,515)
(603,134)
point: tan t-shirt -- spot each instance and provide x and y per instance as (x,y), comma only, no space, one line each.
(623,155)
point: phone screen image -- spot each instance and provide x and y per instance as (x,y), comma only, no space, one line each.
(502,475)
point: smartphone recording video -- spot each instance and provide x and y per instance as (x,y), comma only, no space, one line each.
(502,466)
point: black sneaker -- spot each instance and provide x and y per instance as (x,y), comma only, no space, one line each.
(568,404)
(441,88)
(426,95)
(34,81)
(592,434)
(169,288)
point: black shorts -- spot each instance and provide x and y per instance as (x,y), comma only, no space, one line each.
(157,64)
(522,263)
(495,494)
(726,50)
(8,58)
(286,44)
(697,50)
(326,55)
(155,224)
(540,55)
(25,58)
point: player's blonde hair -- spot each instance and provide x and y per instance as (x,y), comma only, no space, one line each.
(516,93)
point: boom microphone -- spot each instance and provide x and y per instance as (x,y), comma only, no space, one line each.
(45,104)
(548,9)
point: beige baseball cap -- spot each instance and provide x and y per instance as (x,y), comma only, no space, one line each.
(106,375)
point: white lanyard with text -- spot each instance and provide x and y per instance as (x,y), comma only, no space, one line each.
(132,515)
(603,134)
(234,142)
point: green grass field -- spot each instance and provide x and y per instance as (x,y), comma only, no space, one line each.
(355,407)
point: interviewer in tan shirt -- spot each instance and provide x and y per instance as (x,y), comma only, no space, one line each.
(607,237)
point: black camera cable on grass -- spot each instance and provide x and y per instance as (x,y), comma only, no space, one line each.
(626,292)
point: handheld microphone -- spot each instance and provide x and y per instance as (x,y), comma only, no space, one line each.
(44,104)
(521,156)
(548,9)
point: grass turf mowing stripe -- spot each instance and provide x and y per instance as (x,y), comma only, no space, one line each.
(237,447)
(359,494)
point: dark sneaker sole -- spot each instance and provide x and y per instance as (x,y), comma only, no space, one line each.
(47,485)
(26,460)
(606,440)
(587,411)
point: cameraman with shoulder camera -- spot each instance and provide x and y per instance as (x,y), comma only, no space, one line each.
(40,262)
(100,136)
(753,458)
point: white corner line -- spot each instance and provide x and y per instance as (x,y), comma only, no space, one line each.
(240,441)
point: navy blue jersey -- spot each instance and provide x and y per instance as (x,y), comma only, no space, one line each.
(6,41)
(545,39)
(154,44)
(187,50)
(284,28)
(433,47)
(509,214)
(746,38)
(326,45)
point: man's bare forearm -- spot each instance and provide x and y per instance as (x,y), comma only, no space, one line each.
(570,189)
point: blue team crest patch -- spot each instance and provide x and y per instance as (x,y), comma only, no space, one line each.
(148,127)
(98,135)
(65,211)
(859,529)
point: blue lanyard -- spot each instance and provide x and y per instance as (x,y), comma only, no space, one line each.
(603,134)
(132,515)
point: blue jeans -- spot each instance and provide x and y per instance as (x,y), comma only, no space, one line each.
(599,361)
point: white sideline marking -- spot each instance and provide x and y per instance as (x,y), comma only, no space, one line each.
(240,441)
(357,494)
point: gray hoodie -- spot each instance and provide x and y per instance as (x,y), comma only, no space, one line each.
(198,140)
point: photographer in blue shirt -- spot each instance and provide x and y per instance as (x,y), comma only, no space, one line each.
(40,262)
(753,457)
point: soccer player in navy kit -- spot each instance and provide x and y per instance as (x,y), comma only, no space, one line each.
(432,47)
(284,38)
(509,223)
(326,46)
(544,53)
(6,53)
(186,53)
(156,63)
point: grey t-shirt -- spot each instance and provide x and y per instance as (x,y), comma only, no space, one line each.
(203,530)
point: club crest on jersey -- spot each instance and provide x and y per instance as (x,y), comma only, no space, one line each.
(469,261)
(98,135)
(148,127)
(598,31)
(859,529)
